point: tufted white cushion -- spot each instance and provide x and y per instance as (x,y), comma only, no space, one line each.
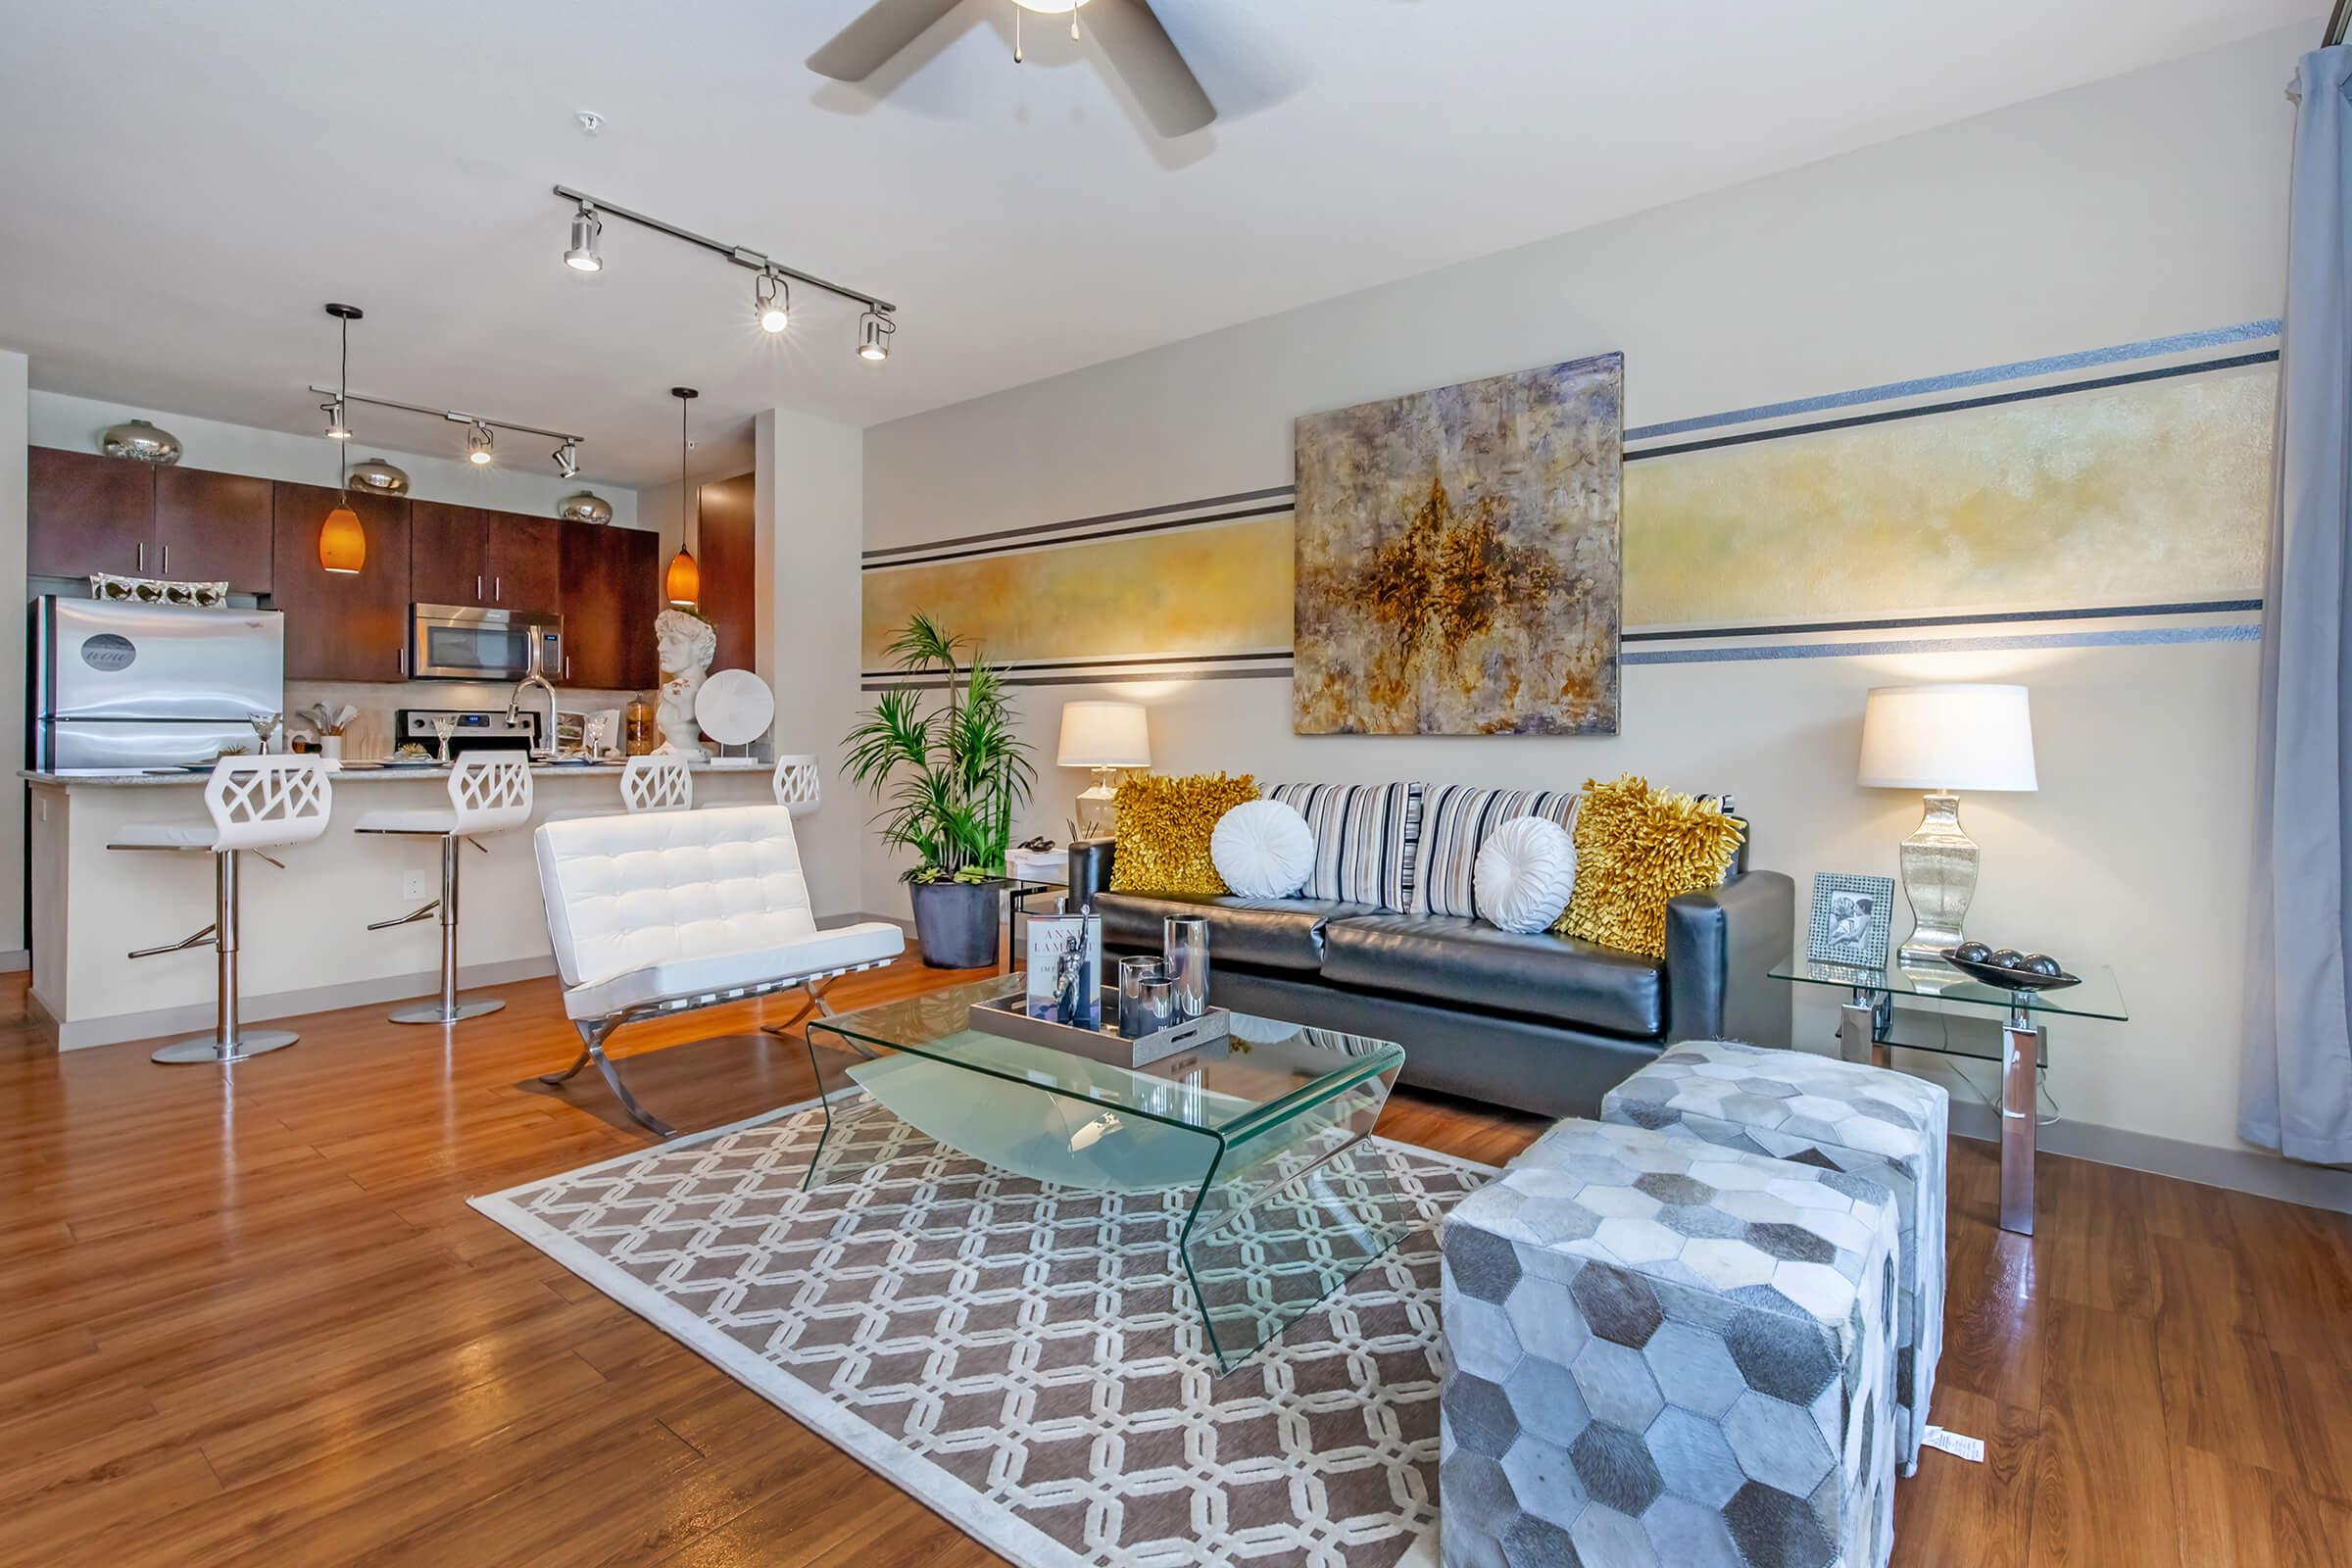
(1263,850)
(658,904)
(1525,871)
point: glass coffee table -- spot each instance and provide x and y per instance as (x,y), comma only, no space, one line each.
(1920,1005)
(1261,1137)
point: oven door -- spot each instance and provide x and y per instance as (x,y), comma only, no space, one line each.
(459,642)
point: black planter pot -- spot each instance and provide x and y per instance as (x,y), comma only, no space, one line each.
(955,922)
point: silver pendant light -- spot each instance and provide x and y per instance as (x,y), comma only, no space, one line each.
(585,506)
(138,441)
(382,477)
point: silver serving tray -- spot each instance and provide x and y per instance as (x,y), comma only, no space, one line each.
(1008,1015)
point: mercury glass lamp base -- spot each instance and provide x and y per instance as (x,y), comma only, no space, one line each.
(207,1048)
(1939,865)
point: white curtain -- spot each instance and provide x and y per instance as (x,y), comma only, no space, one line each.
(2295,1094)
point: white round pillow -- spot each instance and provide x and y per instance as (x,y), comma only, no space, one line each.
(1263,850)
(1523,873)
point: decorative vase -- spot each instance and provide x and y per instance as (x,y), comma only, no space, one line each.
(1183,942)
(955,923)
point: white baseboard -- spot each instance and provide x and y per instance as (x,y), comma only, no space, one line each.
(14,959)
(199,1018)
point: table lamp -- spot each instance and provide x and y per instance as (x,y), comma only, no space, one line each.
(1943,739)
(1105,737)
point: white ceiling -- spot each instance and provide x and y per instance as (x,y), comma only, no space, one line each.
(180,189)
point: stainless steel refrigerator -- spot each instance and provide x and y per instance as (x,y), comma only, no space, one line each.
(118,686)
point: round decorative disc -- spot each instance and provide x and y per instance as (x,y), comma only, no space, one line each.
(734,707)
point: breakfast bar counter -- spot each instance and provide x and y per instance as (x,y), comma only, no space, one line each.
(305,945)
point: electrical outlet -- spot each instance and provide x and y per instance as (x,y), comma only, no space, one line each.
(413,885)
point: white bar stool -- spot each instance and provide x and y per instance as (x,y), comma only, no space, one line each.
(257,804)
(795,784)
(489,791)
(656,783)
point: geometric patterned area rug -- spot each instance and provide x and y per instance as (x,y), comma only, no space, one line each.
(1028,1360)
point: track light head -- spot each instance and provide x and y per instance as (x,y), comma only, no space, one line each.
(478,442)
(874,331)
(587,229)
(771,302)
(567,459)
(338,425)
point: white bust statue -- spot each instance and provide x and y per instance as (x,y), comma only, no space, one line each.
(688,644)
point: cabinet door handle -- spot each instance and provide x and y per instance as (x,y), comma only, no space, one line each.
(498,590)
(142,555)
(477,585)
(403,663)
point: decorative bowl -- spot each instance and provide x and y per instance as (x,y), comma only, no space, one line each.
(2008,979)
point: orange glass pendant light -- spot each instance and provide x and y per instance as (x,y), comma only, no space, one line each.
(342,542)
(682,583)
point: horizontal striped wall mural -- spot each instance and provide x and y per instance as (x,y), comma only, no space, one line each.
(2122,492)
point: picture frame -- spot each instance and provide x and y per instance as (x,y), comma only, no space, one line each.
(1854,919)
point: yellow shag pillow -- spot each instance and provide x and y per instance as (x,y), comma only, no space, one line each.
(1635,848)
(1164,829)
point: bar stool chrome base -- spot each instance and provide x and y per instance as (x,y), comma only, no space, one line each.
(438,1012)
(206,1049)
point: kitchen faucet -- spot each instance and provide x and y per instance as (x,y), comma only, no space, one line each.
(536,676)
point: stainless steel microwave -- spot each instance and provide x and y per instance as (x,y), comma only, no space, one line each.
(464,642)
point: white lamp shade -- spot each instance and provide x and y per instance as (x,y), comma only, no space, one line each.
(1947,737)
(1103,735)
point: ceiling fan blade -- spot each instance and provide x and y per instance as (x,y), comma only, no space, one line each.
(865,45)
(1147,59)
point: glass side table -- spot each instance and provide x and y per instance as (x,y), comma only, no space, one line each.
(1933,1006)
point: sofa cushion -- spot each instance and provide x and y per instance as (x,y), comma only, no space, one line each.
(1267,933)
(1445,957)
(1365,837)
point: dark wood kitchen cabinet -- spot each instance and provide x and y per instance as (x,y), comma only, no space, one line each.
(87,514)
(611,593)
(211,527)
(341,628)
(725,545)
(474,555)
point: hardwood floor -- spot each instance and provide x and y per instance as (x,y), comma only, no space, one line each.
(249,1319)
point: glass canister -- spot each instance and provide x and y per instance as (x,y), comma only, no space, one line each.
(1183,944)
(638,725)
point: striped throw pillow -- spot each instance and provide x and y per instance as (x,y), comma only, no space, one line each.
(1364,836)
(1456,820)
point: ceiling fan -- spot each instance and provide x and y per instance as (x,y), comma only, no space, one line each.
(1139,48)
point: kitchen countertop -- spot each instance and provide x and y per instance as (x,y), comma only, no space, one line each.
(361,775)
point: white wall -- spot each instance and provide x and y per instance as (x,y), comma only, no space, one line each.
(809,489)
(522,479)
(2127,210)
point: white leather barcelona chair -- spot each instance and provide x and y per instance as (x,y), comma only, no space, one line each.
(667,912)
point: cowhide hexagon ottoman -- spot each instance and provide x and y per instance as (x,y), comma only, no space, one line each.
(1869,1122)
(1665,1351)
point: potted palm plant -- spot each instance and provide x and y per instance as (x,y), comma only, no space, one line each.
(949,773)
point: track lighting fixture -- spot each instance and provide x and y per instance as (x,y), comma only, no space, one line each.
(771,302)
(338,425)
(587,229)
(772,289)
(480,442)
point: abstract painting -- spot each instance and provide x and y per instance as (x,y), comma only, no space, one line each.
(1458,558)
